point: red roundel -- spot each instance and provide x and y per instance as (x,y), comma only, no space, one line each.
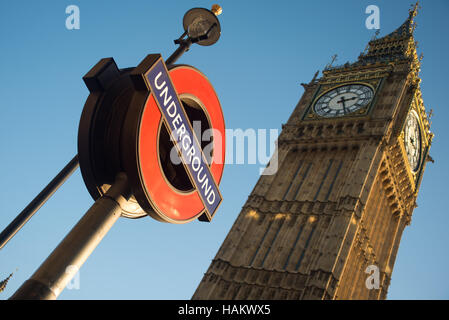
(169,203)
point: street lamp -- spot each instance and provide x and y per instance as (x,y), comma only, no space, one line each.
(201,26)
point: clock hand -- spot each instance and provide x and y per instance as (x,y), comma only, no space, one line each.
(342,101)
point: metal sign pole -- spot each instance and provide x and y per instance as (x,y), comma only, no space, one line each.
(201,26)
(37,202)
(58,269)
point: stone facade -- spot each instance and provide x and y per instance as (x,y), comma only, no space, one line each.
(342,196)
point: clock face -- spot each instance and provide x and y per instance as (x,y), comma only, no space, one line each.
(343,100)
(412,140)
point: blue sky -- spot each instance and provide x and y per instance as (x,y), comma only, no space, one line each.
(266,50)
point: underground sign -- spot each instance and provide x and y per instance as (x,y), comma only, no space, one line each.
(161,125)
(178,192)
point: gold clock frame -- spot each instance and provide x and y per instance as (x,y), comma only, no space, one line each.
(414,175)
(374,84)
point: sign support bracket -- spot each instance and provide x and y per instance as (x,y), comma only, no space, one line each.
(64,262)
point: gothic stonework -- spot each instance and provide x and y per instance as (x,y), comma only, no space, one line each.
(345,188)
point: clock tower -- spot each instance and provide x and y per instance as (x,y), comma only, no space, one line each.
(351,158)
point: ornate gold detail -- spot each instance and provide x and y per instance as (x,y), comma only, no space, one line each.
(216,9)
(328,86)
(4,282)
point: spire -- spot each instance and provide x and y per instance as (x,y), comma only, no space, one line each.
(408,27)
(414,11)
(5,282)
(397,45)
